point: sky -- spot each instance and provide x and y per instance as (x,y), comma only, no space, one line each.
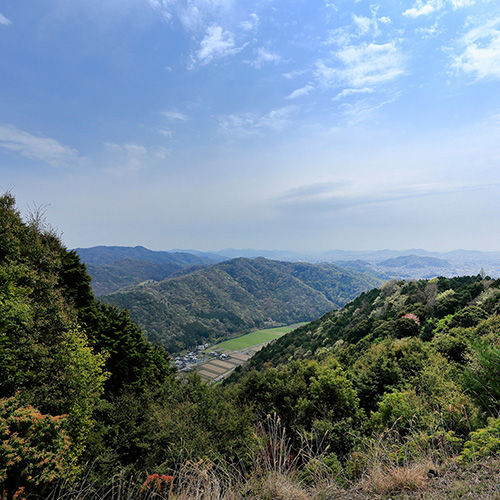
(301,125)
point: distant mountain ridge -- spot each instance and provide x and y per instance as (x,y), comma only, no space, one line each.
(414,262)
(113,268)
(236,296)
(102,255)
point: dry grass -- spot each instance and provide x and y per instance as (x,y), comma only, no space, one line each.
(391,468)
(390,478)
(204,480)
(275,486)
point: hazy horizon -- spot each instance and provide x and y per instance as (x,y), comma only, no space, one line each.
(304,125)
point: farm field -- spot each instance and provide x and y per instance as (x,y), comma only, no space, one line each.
(239,350)
(255,338)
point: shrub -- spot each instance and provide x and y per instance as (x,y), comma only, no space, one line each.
(482,378)
(33,449)
(483,442)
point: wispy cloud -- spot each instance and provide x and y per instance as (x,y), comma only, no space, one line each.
(480,51)
(216,44)
(251,23)
(264,57)
(303,91)
(364,65)
(4,21)
(174,115)
(363,109)
(334,196)
(290,75)
(350,92)
(421,8)
(193,14)
(36,147)
(131,157)
(429,31)
(165,133)
(252,124)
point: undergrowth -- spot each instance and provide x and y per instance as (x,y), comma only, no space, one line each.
(390,466)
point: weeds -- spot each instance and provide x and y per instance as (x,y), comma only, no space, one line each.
(391,466)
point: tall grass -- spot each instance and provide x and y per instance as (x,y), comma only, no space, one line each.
(390,464)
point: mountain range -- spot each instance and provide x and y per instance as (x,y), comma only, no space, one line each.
(235,297)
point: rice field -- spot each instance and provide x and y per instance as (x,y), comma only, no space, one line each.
(255,338)
(238,351)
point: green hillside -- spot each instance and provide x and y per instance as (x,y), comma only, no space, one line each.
(395,395)
(80,384)
(381,312)
(112,268)
(236,297)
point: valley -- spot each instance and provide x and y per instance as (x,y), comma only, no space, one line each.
(234,297)
(400,382)
(213,363)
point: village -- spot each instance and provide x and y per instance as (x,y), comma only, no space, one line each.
(197,355)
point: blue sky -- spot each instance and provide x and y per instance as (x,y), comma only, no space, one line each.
(206,124)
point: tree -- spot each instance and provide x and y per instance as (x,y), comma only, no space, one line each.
(34,449)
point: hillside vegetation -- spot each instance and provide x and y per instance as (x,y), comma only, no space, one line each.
(396,395)
(112,268)
(235,297)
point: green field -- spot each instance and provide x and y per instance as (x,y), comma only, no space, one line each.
(255,338)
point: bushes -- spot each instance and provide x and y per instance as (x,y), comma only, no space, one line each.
(484,442)
(482,378)
(34,449)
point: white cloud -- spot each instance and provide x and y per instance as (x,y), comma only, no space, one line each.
(253,124)
(303,91)
(36,147)
(429,31)
(193,14)
(251,24)
(4,21)
(365,65)
(165,133)
(457,4)
(263,56)
(480,51)
(362,23)
(425,8)
(216,44)
(132,158)
(174,115)
(349,92)
(163,6)
(293,74)
(422,9)
(362,110)
(333,196)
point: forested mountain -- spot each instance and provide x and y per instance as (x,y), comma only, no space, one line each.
(412,368)
(235,297)
(414,262)
(398,309)
(394,390)
(112,268)
(102,255)
(79,382)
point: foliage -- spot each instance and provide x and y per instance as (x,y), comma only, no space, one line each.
(483,442)
(307,397)
(46,356)
(410,367)
(34,449)
(482,377)
(237,296)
